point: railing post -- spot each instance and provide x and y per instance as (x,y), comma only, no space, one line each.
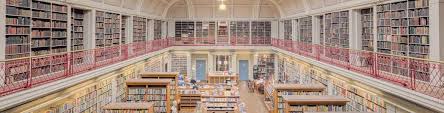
(375,65)
(29,84)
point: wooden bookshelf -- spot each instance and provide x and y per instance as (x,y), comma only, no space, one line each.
(276,92)
(360,99)
(305,30)
(150,90)
(260,31)
(18,28)
(129,108)
(222,32)
(206,30)
(139,29)
(321,30)
(179,63)
(100,29)
(288,29)
(112,29)
(336,29)
(403,28)
(220,104)
(78,28)
(189,101)
(240,32)
(264,67)
(184,29)
(157,29)
(172,76)
(314,103)
(124,29)
(367,29)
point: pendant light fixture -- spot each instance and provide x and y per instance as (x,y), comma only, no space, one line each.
(222,5)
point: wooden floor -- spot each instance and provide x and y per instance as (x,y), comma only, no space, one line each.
(253,101)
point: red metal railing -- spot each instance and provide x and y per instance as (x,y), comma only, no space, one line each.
(423,76)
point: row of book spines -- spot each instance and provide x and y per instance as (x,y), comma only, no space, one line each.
(47,33)
(403,5)
(127,111)
(46,42)
(47,24)
(318,108)
(18,21)
(21,3)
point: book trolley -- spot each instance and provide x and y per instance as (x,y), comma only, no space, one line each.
(314,103)
(278,90)
(150,90)
(129,107)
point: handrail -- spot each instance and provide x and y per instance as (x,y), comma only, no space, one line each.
(421,75)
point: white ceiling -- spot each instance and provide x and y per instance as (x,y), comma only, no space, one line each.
(193,8)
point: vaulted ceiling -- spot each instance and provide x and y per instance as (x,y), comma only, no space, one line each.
(193,8)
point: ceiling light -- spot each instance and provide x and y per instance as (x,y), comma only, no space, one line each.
(222,6)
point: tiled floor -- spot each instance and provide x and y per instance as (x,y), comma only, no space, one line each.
(253,101)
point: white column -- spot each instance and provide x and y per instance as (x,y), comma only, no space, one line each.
(189,65)
(315,29)
(436,29)
(275,29)
(92,24)
(276,65)
(2,33)
(354,30)
(210,62)
(171,28)
(169,56)
(234,62)
(114,89)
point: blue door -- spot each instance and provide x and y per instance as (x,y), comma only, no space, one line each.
(200,69)
(243,69)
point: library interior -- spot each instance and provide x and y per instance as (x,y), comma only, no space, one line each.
(222,56)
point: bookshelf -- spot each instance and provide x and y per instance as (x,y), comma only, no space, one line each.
(112,29)
(78,29)
(88,100)
(184,29)
(225,104)
(179,63)
(276,92)
(129,108)
(157,29)
(124,29)
(100,29)
(403,28)
(150,90)
(171,76)
(367,29)
(205,29)
(49,28)
(18,28)
(188,102)
(288,29)
(139,29)
(260,31)
(321,30)
(222,32)
(264,67)
(305,30)
(240,32)
(360,100)
(336,29)
(314,103)
(153,64)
